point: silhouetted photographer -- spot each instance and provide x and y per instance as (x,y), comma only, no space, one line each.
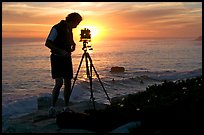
(61,43)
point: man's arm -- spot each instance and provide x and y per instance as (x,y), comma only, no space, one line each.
(51,46)
(73,45)
(49,43)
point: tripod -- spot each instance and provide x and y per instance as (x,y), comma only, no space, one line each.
(89,74)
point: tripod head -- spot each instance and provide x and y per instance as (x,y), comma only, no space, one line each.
(85,46)
(86,38)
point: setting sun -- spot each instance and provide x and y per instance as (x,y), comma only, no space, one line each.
(96,33)
(97,30)
(93,29)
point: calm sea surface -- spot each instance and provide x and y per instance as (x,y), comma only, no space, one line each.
(26,68)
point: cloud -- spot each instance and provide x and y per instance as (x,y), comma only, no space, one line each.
(113,16)
(158,16)
(143,10)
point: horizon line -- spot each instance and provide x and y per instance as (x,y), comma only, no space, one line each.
(111,38)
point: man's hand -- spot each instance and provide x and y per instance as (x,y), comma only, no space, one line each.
(73,48)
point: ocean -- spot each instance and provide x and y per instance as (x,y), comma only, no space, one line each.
(26,69)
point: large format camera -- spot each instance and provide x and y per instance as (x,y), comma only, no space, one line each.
(85,35)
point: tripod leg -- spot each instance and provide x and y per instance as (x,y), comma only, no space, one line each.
(91,84)
(89,75)
(101,84)
(98,78)
(77,71)
(87,65)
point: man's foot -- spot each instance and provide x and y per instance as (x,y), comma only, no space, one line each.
(52,112)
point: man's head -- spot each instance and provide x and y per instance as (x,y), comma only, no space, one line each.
(74,19)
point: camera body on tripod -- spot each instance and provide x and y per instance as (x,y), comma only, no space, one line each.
(85,35)
(86,38)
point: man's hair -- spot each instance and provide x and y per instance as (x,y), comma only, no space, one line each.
(73,17)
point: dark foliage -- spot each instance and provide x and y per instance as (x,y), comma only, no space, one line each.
(167,108)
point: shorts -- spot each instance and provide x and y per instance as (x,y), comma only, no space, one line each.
(61,67)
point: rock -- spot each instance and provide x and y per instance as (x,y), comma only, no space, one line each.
(127,127)
(117,69)
(45,102)
(96,121)
(87,105)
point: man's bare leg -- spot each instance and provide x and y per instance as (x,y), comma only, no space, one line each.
(56,90)
(67,91)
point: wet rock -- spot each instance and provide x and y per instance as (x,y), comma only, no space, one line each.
(45,102)
(117,69)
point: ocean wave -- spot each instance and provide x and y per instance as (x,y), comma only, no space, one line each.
(116,85)
(20,107)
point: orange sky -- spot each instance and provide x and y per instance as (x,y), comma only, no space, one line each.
(111,20)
